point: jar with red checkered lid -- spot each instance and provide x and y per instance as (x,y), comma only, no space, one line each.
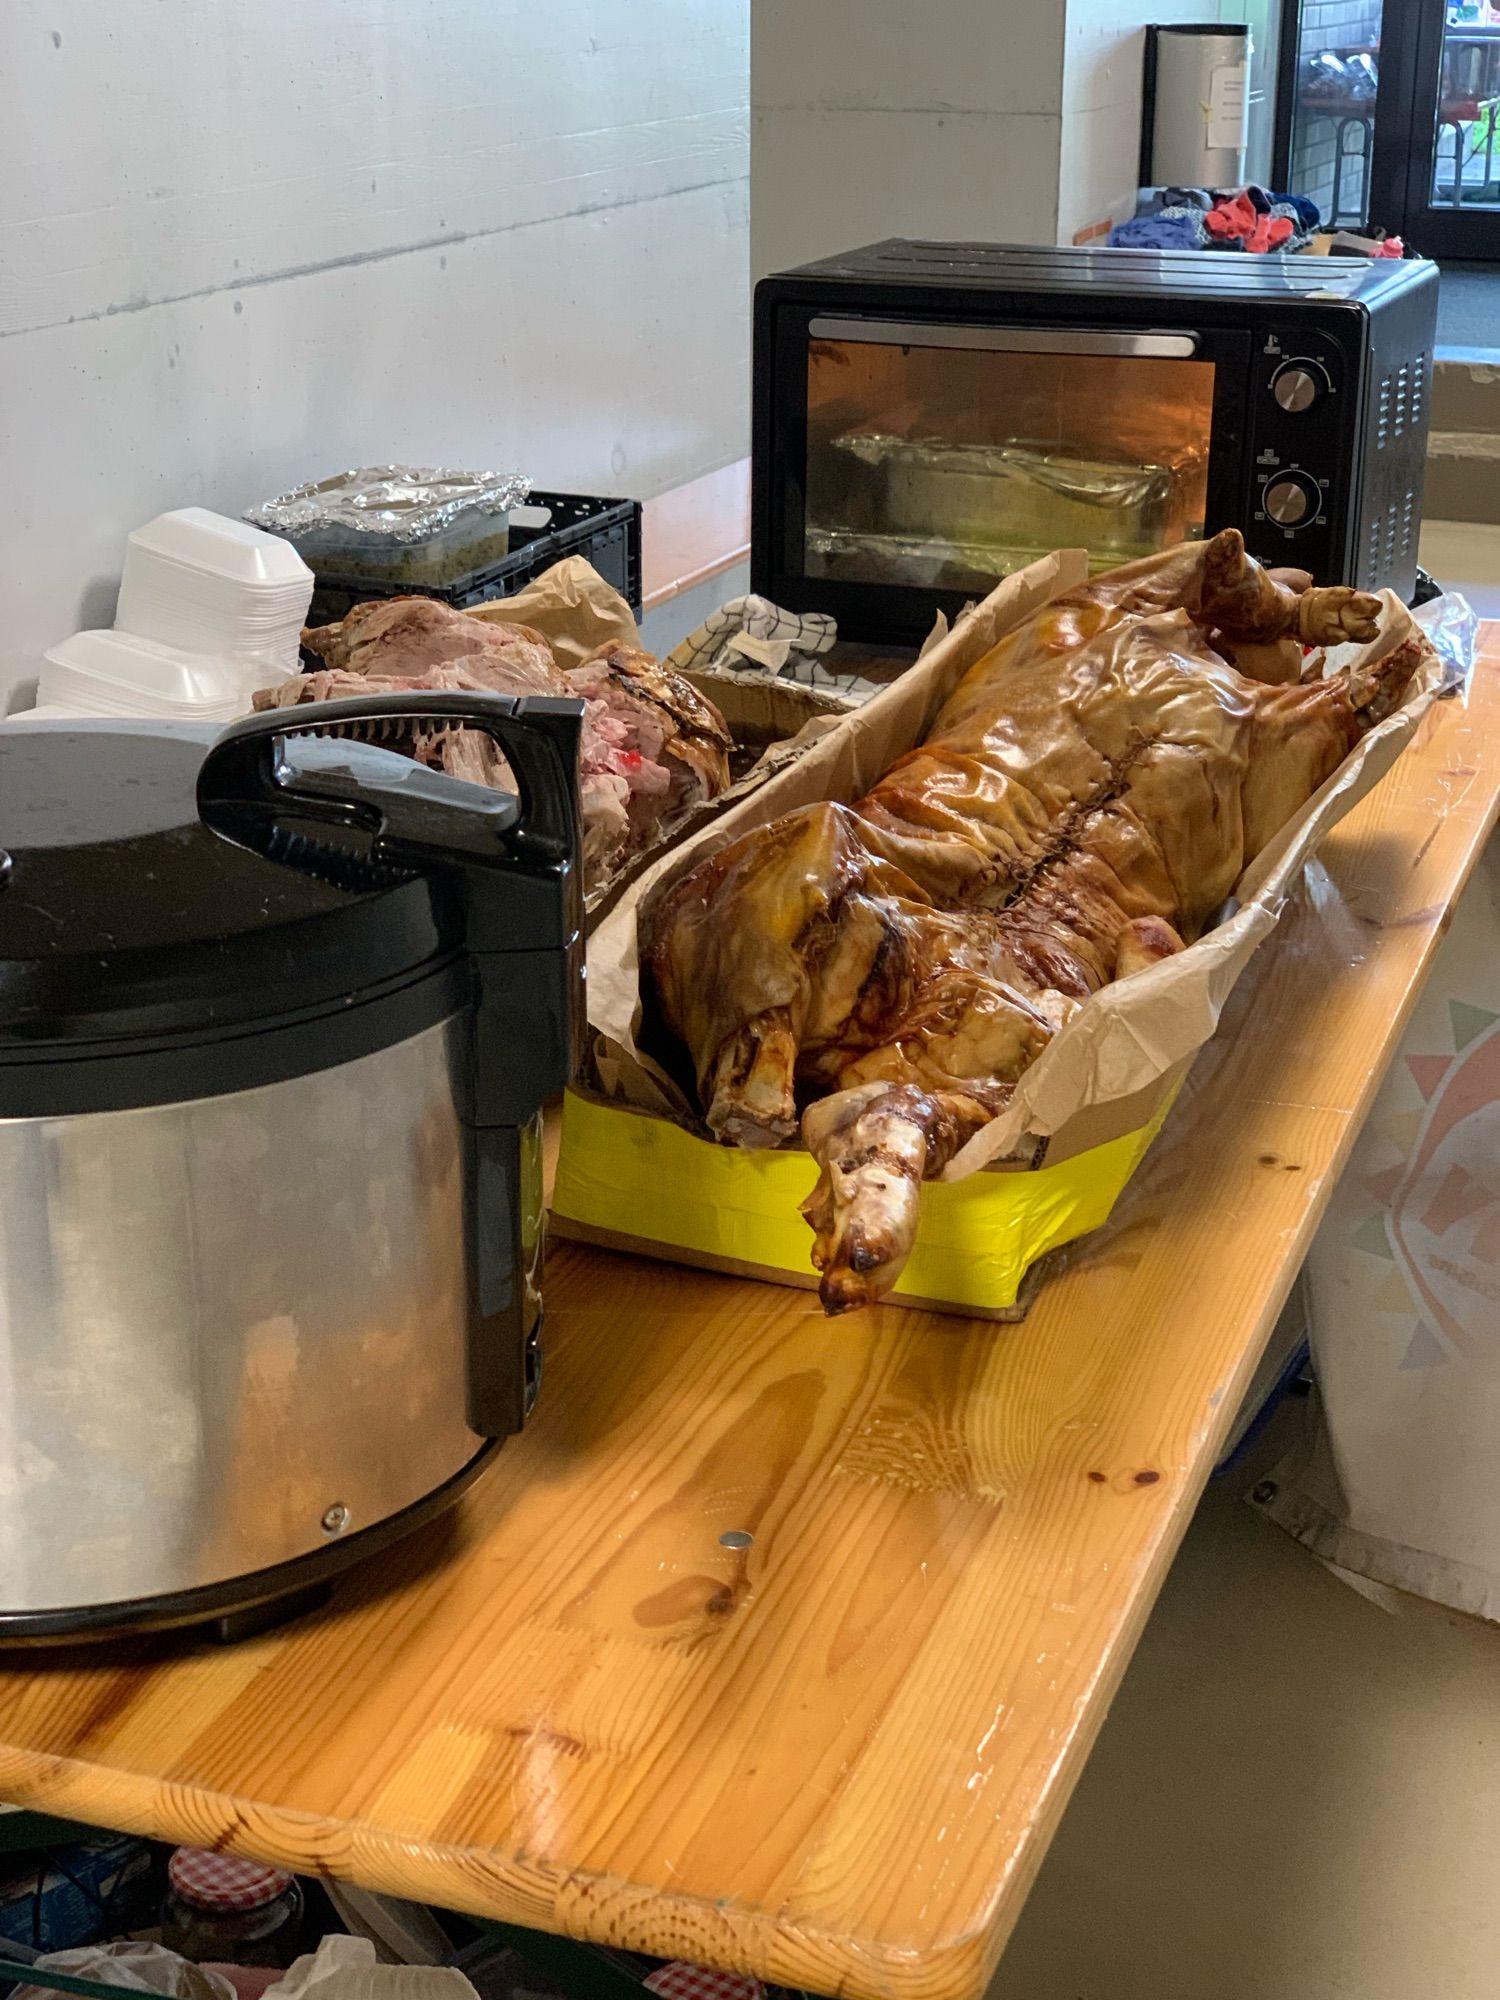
(239,1912)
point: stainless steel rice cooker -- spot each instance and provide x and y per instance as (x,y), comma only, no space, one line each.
(277,1015)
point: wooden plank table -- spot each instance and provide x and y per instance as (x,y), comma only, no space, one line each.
(695,532)
(835,1757)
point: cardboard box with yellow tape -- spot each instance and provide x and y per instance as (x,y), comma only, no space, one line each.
(641,1166)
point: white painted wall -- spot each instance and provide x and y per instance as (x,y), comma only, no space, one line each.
(1101,99)
(880,118)
(245,244)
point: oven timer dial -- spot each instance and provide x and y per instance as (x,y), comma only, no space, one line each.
(1299,385)
(1291,498)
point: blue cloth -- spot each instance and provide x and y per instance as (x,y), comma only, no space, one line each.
(1168,229)
(1171,218)
(1308,215)
(1188,198)
(1152,201)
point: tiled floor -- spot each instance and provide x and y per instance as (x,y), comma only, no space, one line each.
(1295,1797)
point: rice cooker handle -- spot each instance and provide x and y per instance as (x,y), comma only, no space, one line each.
(284,765)
(516,865)
(518,862)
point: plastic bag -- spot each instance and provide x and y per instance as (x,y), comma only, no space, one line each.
(1452,625)
(347,1968)
(134,1966)
(1396,1476)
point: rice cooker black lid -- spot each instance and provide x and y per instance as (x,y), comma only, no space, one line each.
(125,920)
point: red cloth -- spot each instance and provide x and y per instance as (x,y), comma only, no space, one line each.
(681,1981)
(1269,233)
(1232,219)
(1235,218)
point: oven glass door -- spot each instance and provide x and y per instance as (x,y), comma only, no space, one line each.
(937,458)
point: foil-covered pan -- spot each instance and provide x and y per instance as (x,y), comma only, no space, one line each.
(1014,495)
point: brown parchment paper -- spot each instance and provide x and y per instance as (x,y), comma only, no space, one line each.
(572,607)
(1124,1038)
(577,612)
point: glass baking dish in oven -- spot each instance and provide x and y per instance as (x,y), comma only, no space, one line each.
(948,465)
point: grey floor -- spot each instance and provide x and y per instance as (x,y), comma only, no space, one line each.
(1296,1795)
(1465,556)
(1469,306)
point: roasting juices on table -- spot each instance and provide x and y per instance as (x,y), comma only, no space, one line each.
(881,974)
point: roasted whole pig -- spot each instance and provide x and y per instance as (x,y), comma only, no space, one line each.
(1086,799)
(652,745)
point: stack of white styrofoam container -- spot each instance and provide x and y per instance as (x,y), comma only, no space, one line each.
(218,587)
(210,610)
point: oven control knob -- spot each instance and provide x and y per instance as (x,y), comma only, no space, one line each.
(1290,500)
(1298,385)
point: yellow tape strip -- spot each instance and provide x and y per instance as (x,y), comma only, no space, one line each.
(640,1176)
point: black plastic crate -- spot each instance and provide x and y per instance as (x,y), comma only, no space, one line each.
(606,533)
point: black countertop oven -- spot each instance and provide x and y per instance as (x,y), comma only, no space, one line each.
(929,416)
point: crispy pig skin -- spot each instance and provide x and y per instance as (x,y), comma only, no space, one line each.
(1086,799)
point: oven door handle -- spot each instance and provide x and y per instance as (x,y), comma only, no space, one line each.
(1145,345)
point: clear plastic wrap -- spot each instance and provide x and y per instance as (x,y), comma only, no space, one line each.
(130,1965)
(1452,624)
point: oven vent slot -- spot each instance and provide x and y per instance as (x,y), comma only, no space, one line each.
(1386,539)
(1391,537)
(1403,399)
(1383,413)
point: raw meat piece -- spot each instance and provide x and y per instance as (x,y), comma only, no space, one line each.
(327,684)
(667,717)
(651,745)
(1087,798)
(396,636)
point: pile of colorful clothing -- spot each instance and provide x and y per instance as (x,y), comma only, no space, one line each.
(1245,218)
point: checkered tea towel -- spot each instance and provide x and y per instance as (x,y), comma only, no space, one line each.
(750,632)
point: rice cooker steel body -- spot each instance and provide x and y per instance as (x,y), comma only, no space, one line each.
(271,1066)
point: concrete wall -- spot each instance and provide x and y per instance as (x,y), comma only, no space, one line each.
(241,245)
(1101,100)
(1013,120)
(882,118)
